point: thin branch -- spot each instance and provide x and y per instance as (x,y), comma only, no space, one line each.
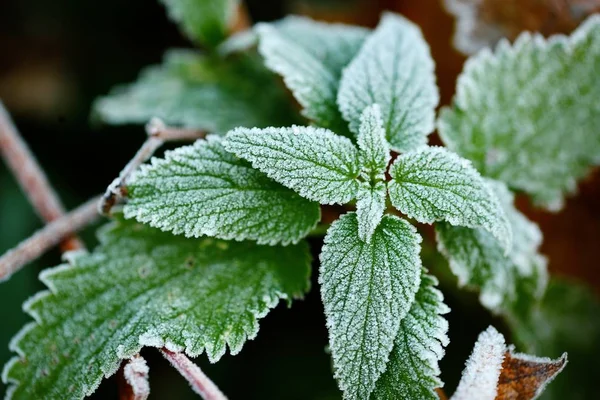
(133,379)
(158,134)
(48,237)
(30,176)
(194,375)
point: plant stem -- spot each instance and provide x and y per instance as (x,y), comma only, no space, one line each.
(30,176)
(133,379)
(48,237)
(158,134)
(200,383)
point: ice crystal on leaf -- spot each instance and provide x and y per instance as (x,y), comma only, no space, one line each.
(144,287)
(479,261)
(367,289)
(393,69)
(203,92)
(528,113)
(433,184)
(315,162)
(204,190)
(310,56)
(374,151)
(370,206)
(480,377)
(412,371)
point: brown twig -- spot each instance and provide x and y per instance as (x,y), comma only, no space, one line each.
(200,383)
(30,176)
(158,134)
(48,237)
(133,379)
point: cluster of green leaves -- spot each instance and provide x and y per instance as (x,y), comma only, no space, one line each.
(220,224)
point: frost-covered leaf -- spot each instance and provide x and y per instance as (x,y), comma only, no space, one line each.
(566,320)
(310,56)
(479,261)
(528,114)
(412,371)
(204,21)
(202,92)
(395,70)
(480,377)
(483,23)
(434,184)
(315,162)
(367,289)
(374,151)
(370,205)
(495,372)
(204,190)
(144,287)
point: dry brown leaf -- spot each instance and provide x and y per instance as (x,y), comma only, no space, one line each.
(523,377)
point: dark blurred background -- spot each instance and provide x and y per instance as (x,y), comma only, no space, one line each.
(57,56)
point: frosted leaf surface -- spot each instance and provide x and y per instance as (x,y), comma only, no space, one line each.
(204,190)
(370,205)
(367,289)
(374,151)
(144,287)
(412,371)
(315,162)
(394,69)
(204,21)
(201,92)
(433,184)
(528,114)
(479,261)
(480,377)
(310,57)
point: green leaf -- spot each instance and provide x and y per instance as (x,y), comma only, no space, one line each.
(374,151)
(367,288)
(201,92)
(434,184)
(395,70)
(143,287)
(412,371)
(527,114)
(315,162)
(479,260)
(370,205)
(204,190)
(566,320)
(310,56)
(204,21)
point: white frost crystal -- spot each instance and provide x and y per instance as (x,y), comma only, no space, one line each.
(315,162)
(310,56)
(367,289)
(412,371)
(480,377)
(141,287)
(433,184)
(394,69)
(204,190)
(528,113)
